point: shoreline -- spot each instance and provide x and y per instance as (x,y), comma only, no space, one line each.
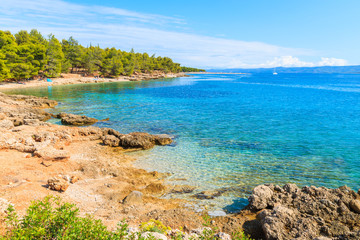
(42,152)
(69,79)
(106,177)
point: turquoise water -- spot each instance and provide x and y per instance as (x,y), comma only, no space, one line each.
(234,131)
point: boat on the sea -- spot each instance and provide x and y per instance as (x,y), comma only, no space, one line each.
(275,73)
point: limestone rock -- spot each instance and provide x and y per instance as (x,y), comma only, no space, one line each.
(76,120)
(133,140)
(111,140)
(355,205)
(133,198)
(137,140)
(110,131)
(162,139)
(51,154)
(306,213)
(74,179)
(58,184)
(260,197)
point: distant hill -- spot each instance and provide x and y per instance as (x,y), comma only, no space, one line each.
(325,69)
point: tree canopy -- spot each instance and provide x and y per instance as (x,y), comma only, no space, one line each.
(26,55)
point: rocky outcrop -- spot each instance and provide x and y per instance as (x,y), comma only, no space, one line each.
(76,120)
(137,140)
(312,212)
(18,108)
(31,101)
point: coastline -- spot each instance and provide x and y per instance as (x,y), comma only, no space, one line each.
(42,152)
(106,176)
(69,79)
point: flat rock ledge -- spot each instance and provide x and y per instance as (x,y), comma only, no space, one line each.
(137,140)
(76,120)
(290,212)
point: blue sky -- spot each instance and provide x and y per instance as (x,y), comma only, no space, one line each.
(207,34)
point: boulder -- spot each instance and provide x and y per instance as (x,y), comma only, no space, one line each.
(142,140)
(137,140)
(74,179)
(111,140)
(355,205)
(76,120)
(162,139)
(260,197)
(134,197)
(58,184)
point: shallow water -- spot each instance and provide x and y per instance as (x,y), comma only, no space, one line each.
(234,131)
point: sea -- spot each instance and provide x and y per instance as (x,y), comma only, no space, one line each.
(233,132)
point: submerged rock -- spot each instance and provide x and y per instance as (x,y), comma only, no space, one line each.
(183,189)
(209,194)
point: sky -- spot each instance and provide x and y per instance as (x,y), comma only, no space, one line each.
(205,34)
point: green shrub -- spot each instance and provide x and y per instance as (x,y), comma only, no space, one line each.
(52,219)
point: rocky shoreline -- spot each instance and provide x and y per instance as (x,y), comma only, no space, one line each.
(87,166)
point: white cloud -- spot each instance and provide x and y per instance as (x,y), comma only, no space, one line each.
(332,62)
(291,61)
(147,33)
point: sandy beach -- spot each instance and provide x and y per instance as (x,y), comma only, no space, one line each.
(68,79)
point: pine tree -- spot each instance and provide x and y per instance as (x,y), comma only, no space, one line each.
(55,56)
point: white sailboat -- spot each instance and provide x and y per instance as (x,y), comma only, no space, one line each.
(275,73)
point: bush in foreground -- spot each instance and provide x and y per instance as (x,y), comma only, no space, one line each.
(53,219)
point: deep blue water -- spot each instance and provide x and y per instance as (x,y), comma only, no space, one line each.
(235,131)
